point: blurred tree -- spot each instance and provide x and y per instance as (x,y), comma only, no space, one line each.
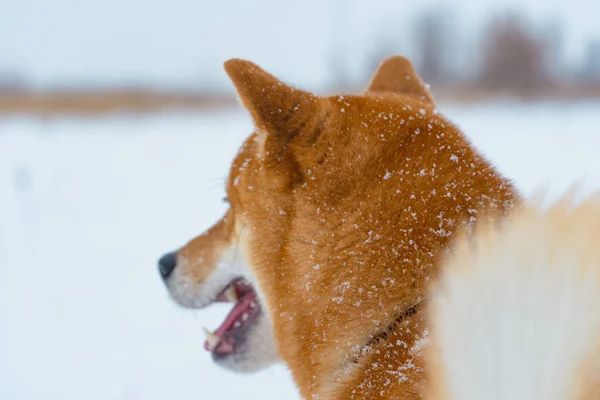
(553,37)
(514,58)
(12,81)
(432,35)
(591,65)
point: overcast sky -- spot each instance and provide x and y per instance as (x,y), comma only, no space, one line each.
(186,41)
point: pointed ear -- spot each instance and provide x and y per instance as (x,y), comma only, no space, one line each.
(281,110)
(397,75)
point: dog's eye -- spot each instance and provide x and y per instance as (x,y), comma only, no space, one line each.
(225,200)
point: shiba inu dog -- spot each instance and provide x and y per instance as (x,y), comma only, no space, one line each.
(340,211)
(515,313)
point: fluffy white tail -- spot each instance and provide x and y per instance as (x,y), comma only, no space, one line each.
(516,312)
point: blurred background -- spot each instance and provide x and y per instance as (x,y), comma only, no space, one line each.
(95,56)
(117,126)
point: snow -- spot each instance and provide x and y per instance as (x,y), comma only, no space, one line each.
(86,209)
(87,206)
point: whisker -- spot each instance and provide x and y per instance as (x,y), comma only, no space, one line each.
(214,186)
(237,245)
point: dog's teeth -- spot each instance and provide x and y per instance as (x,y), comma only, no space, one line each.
(245,317)
(212,339)
(253,305)
(237,324)
(231,294)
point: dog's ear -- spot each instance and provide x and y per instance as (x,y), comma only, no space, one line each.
(285,114)
(397,75)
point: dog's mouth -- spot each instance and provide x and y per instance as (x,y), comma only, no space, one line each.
(232,331)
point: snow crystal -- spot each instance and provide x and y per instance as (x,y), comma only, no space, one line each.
(245,163)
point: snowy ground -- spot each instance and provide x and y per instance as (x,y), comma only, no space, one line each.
(87,206)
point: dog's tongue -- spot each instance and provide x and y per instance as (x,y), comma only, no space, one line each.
(227,343)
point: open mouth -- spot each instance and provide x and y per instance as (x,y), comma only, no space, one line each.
(232,331)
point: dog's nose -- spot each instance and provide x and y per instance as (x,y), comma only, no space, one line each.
(167,264)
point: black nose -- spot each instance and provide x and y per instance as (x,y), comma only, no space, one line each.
(167,264)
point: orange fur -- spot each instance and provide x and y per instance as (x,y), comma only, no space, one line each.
(198,258)
(343,206)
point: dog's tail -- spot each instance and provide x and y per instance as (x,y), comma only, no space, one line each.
(516,312)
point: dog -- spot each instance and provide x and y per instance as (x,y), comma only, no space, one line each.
(341,209)
(514,314)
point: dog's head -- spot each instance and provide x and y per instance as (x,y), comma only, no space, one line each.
(289,175)
(212,268)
